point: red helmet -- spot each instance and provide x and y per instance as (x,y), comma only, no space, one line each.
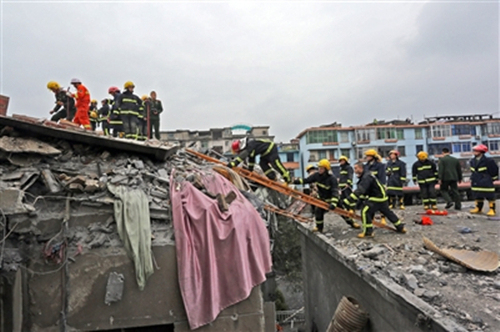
(113,89)
(236,146)
(481,148)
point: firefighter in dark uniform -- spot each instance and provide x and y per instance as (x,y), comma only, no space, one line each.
(268,152)
(103,116)
(313,189)
(327,191)
(374,165)
(154,115)
(396,178)
(425,173)
(65,104)
(143,118)
(377,201)
(129,106)
(115,120)
(484,171)
(345,187)
(93,116)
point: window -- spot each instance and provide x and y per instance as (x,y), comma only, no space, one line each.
(322,154)
(493,128)
(365,134)
(289,156)
(493,145)
(345,152)
(390,133)
(420,147)
(441,131)
(332,154)
(418,133)
(461,130)
(461,147)
(438,148)
(320,136)
(344,136)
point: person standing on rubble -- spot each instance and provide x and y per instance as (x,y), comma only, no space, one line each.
(327,191)
(154,116)
(313,188)
(103,114)
(345,186)
(129,106)
(425,173)
(65,104)
(484,173)
(143,117)
(396,178)
(115,120)
(374,165)
(450,175)
(82,97)
(93,114)
(376,201)
(268,152)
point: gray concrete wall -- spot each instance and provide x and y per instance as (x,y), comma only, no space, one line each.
(328,277)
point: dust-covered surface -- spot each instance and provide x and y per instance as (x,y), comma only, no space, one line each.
(470,298)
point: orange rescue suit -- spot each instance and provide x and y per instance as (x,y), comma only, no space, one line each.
(82,97)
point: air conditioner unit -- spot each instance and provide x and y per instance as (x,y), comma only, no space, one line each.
(353,143)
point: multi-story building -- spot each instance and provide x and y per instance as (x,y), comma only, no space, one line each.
(458,133)
(290,155)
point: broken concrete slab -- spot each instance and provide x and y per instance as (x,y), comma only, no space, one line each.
(11,201)
(23,159)
(114,288)
(27,145)
(50,181)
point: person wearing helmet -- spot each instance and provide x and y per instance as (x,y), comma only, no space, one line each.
(154,116)
(396,178)
(130,107)
(103,118)
(425,173)
(65,104)
(93,116)
(484,171)
(82,97)
(313,188)
(345,186)
(449,175)
(142,121)
(115,120)
(327,190)
(268,152)
(374,165)
(376,201)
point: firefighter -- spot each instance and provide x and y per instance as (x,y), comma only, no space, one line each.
(103,118)
(154,115)
(130,107)
(374,165)
(425,173)
(93,116)
(143,118)
(115,120)
(313,189)
(327,190)
(396,178)
(345,186)
(484,171)
(82,97)
(269,158)
(65,104)
(377,201)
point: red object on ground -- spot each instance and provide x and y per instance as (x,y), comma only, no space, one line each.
(221,256)
(436,212)
(426,221)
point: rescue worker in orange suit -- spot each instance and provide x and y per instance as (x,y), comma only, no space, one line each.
(93,116)
(65,104)
(268,152)
(328,191)
(82,97)
(103,114)
(129,106)
(425,173)
(115,120)
(484,171)
(396,177)
(345,186)
(376,201)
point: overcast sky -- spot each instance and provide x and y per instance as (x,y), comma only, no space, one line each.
(290,65)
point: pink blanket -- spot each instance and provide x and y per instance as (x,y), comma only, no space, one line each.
(220,256)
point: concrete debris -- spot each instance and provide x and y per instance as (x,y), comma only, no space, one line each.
(50,181)
(27,145)
(411,281)
(375,252)
(114,288)
(11,201)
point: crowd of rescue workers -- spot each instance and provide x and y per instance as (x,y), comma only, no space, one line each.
(379,188)
(124,115)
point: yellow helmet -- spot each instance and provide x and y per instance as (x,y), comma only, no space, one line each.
(93,115)
(371,152)
(422,155)
(53,85)
(144,97)
(310,167)
(324,163)
(129,84)
(344,158)
(93,101)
